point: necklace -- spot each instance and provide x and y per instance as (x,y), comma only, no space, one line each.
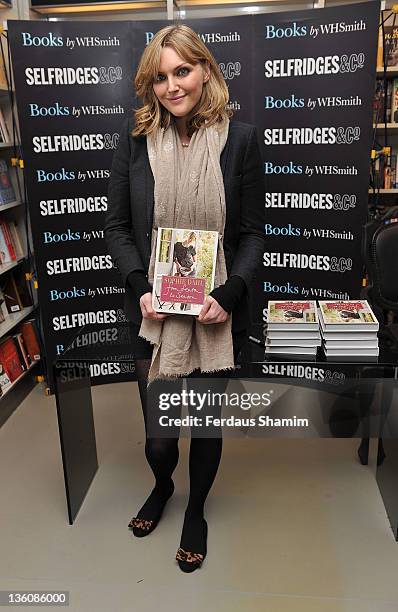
(185,144)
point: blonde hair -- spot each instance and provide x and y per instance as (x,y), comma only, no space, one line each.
(212,104)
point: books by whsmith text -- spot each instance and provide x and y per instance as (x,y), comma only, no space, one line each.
(185,265)
(292,315)
(349,315)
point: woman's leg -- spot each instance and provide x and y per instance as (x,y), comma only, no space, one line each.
(204,459)
(161,454)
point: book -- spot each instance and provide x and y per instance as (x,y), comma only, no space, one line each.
(9,357)
(394,101)
(5,256)
(288,350)
(16,239)
(19,341)
(19,351)
(11,295)
(8,239)
(387,51)
(297,315)
(347,314)
(185,263)
(31,340)
(5,381)
(338,334)
(3,128)
(7,193)
(368,352)
(353,358)
(21,284)
(382,101)
(351,344)
(293,335)
(293,342)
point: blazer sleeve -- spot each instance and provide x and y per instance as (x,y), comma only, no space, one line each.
(251,245)
(118,229)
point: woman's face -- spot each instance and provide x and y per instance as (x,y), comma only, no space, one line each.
(179,84)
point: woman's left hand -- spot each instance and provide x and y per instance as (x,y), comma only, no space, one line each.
(212,312)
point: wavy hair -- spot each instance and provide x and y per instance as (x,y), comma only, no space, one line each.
(186,43)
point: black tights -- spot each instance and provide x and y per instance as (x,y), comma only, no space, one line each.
(162,455)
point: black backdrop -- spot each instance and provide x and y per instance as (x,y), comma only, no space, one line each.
(312,71)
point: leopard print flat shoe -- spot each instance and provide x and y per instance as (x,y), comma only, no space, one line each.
(190,561)
(141,527)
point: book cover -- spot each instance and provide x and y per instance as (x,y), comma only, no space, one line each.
(31,339)
(7,193)
(184,270)
(351,314)
(387,53)
(10,359)
(292,315)
(394,101)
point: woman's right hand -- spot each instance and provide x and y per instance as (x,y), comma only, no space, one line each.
(146,308)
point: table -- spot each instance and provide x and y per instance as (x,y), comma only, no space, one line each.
(338,396)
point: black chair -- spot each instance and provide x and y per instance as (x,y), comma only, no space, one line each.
(381,260)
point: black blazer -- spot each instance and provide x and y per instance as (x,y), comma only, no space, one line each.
(128,223)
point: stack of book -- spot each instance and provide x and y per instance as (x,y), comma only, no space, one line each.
(293,328)
(349,329)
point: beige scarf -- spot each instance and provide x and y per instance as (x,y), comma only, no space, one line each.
(189,194)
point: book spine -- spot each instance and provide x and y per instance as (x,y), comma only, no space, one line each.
(8,239)
(19,351)
(3,127)
(16,239)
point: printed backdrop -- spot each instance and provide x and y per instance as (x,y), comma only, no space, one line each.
(306,81)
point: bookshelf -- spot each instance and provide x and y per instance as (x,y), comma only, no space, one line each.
(13,213)
(384,166)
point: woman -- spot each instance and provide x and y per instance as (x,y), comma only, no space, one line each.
(183,164)
(185,256)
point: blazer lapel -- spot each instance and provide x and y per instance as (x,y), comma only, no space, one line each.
(149,193)
(224,156)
